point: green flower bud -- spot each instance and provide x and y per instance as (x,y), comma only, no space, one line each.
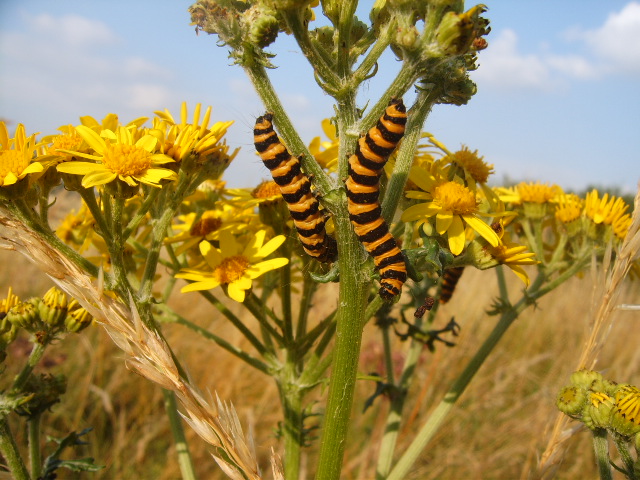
(456,33)
(588,379)
(262,24)
(25,315)
(597,412)
(53,307)
(572,400)
(77,318)
(625,416)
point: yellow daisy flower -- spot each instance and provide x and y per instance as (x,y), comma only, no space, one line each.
(233,266)
(179,140)
(16,156)
(453,205)
(119,156)
(604,210)
(511,254)
(475,168)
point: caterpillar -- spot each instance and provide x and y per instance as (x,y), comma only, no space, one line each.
(363,189)
(295,188)
(450,279)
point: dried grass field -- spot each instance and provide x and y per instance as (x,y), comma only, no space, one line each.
(497,431)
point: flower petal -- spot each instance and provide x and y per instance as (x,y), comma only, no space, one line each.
(92,138)
(483,229)
(456,235)
(443,221)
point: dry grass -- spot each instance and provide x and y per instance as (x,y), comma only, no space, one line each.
(497,431)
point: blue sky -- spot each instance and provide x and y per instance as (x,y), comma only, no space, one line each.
(558,88)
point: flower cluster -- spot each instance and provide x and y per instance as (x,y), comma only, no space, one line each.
(600,403)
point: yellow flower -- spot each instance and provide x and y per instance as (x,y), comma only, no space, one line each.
(537,192)
(326,153)
(179,140)
(474,166)
(234,266)
(16,156)
(568,207)
(512,254)
(119,156)
(267,191)
(604,210)
(453,205)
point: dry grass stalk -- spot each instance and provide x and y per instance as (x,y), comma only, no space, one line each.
(217,423)
(607,282)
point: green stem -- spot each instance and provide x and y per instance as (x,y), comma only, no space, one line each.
(292,428)
(10,452)
(354,289)
(623,448)
(321,64)
(182,447)
(34,357)
(258,310)
(241,354)
(404,160)
(601,450)
(286,131)
(35,454)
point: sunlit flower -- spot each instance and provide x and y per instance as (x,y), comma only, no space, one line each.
(57,146)
(233,265)
(453,206)
(209,226)
(475,167)
(118,156)
(181,139)
(568,207)
(77,228)
(513,255)
(604,210)
(16,156)
(267,191)
(326,152)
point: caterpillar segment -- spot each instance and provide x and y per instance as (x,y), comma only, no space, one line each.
(363,191)
(295,188)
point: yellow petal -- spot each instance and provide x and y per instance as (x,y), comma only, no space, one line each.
(483,229)
(456,235)
(443,221)
(519,271)
(92,138)
(422,210)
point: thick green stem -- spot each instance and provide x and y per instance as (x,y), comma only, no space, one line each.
(601,450)
(354,289)
(10,452)
(622,445)
(182,447)
(292,428)
(35,453)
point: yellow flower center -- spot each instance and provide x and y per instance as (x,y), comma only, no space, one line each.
(473,164)
(536,192)
(456,198)
(64,142)
(12,161)
(231,268)
(266,189)
(126,159)
(205,226)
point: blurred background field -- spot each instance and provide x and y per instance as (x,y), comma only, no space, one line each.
(497,431)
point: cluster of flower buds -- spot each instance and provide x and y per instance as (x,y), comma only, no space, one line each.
(600,403)
(46,317)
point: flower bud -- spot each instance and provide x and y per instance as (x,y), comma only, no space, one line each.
(588,379)
(77,317)
(572,400)
(597,413)
(457,32)
(25,315)
(625,416)
(53,307)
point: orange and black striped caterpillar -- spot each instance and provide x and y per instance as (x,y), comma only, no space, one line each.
(450,279)
(296,191)
(363,189)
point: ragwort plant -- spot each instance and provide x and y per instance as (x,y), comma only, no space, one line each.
(154,196)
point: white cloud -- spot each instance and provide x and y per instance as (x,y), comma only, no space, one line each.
(147,96)
(73,30)
(617,42)
(504,66)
